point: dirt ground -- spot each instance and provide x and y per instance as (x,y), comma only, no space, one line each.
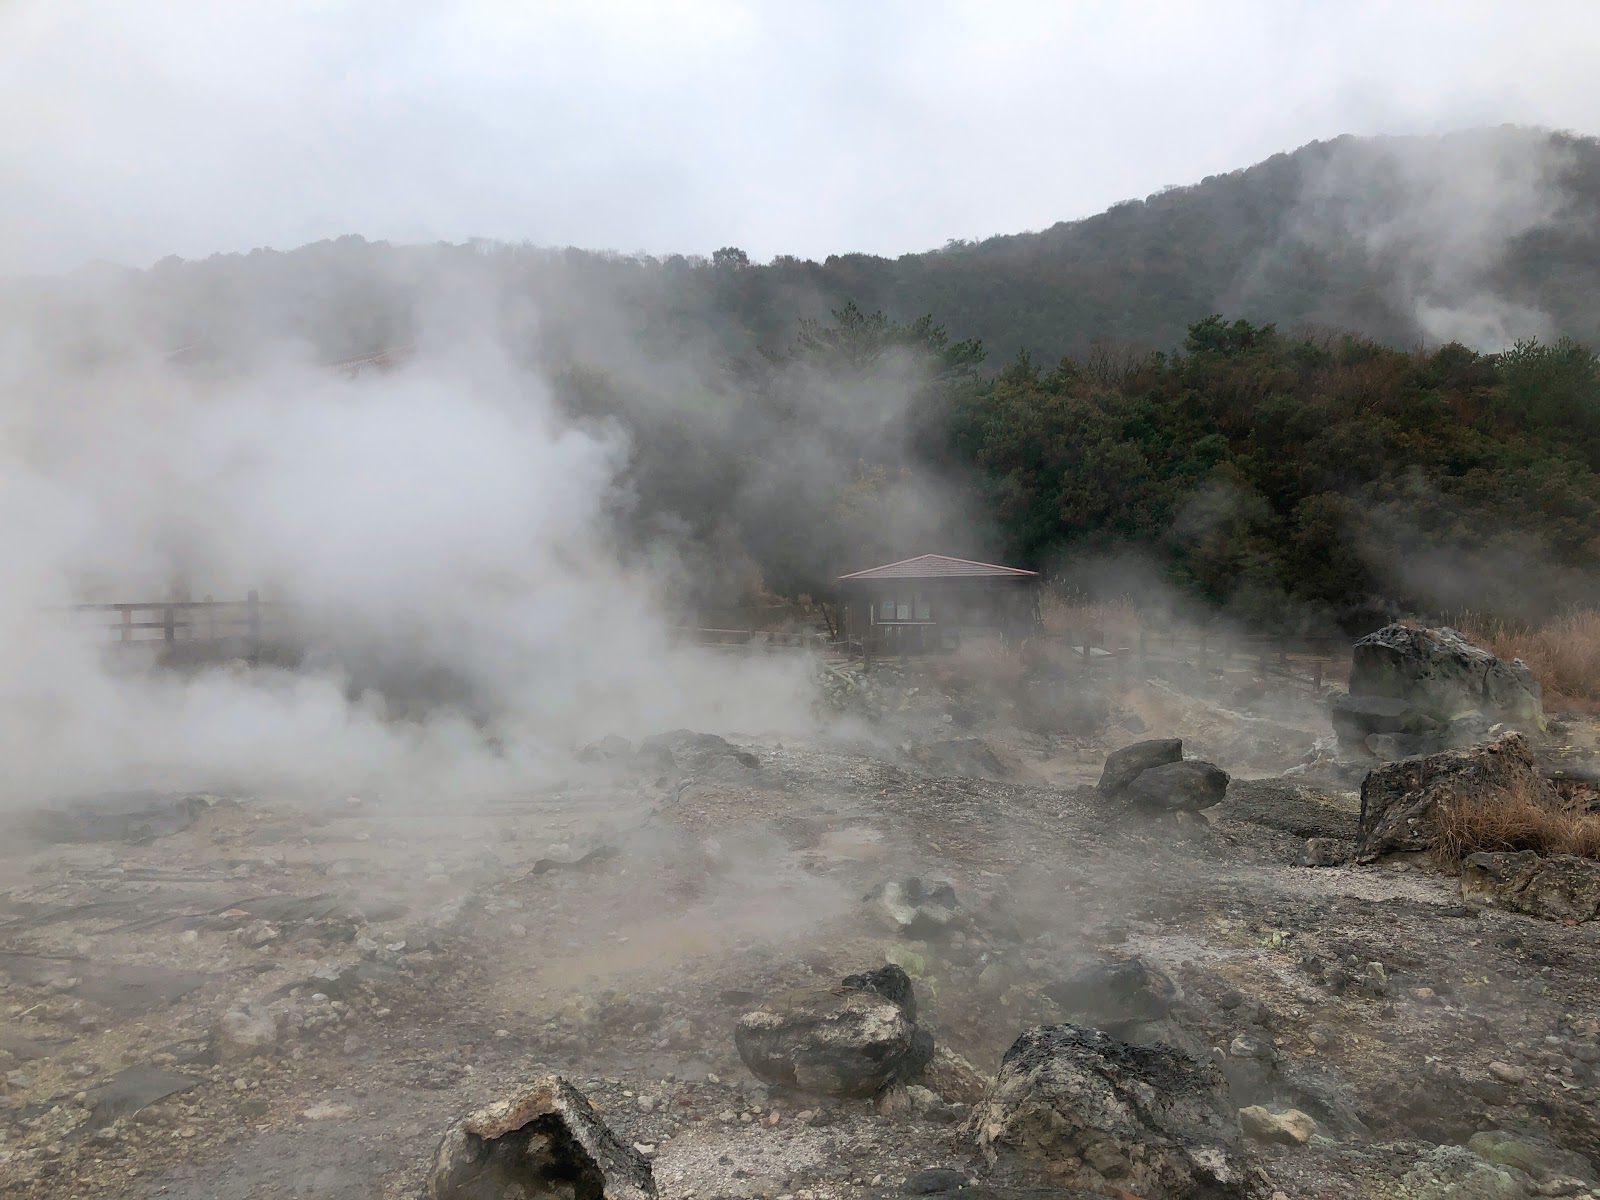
(412,962)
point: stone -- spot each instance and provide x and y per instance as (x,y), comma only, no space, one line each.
(1187,786)
(1356,718)
(328,1110)
(854,1040)
(1562,887)
(608,749)
(1100,1115)
(244,1033)
(1444,676)
(1123,766)
(1291,1128)
(1323,852)
(548,1141)
(1507,1073)
(1455,1173)
(918,908)
(1116,994)
(934,1181)
(1538,1160)
(1399,800)
(953,1079)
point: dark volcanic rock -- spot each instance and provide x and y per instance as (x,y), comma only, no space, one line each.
(1187,786)
(889,981)
(1444,676)
(853,1040)
(1128,989)
(1101,1115)
(1399,800)
(547,1142)
(1355,718)
(1559,888)
(1124,766)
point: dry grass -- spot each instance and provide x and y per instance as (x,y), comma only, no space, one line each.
(1066,611)
(1527,816)
(1563,654)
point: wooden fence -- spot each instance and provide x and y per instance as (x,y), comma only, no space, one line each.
(1300,659)
(204,620)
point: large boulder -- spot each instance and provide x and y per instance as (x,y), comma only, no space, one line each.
(1187,786)
(1125,765)
(1444,676)
(1562,887)
(1099,1115)
(1400,800)
(1356,718)
(854,1040)
(549,1141)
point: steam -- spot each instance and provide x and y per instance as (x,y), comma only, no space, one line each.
(1424,227)
(443,523)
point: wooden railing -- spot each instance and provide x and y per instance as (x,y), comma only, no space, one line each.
(204,620)
(758,639)
(1302,659)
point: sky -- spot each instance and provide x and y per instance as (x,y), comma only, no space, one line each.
(189,127)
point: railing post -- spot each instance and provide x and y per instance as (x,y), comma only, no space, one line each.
(127,624)
(253,622)
(169,623)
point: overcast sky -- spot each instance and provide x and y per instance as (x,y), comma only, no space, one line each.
(134,129)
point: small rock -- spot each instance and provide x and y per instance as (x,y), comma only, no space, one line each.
(244,1033)
(326,1110)
(933,1182)
(1291,1128)
(1506,1073)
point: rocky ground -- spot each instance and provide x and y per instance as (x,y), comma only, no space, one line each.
(290,996)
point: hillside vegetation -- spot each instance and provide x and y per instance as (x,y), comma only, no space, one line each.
(1401,409)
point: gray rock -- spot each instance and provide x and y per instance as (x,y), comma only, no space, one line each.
(1114,994)
(244,1033)
(1097,1114)
(1562,887)
(1454,1173)
(1125,765)
(1324,852)
(919,908)
(854,1040)
(1444,676)
(548,1141)
(1291,1128)
(1399,800)
(1357,717)
(1538,1160)
(1187,786)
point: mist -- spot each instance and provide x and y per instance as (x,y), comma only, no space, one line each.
(442,522)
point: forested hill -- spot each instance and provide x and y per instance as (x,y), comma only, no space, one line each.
(1480,237)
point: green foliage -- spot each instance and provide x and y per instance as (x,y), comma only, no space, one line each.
(1295,480)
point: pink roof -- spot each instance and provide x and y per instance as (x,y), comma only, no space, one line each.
(940,566)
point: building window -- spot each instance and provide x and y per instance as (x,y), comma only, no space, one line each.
(886,611)
(924,609)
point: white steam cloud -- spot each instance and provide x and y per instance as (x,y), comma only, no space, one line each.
(439,522)
(1428,224)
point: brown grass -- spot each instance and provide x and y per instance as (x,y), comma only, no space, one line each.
(1065,611)
(1527,816)
(1563,654)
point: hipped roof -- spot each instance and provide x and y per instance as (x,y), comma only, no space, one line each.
(937,566)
